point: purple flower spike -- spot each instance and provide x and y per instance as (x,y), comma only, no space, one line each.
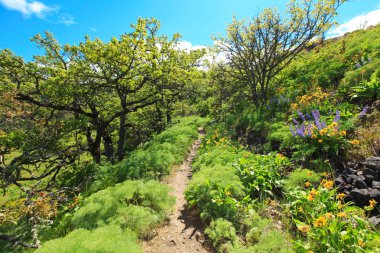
(309,130)
(301,115)
(292,130)
(307,116)
(295,122)
(337,116)
(363,112)
(300,132)
(316,119)
(323,124)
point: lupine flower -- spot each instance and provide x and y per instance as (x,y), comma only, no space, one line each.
(363,112)
(337,116)
(301,115)
(292,130)
(295,122)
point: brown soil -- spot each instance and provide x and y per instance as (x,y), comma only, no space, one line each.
(184,231)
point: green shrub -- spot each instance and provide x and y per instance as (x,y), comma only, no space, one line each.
(261,174)
(222,234)
(153,159)
(299,177)
(105,239)
(279,136)
(115,203)
(215,191)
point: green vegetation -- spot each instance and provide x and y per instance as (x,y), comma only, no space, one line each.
(88,131)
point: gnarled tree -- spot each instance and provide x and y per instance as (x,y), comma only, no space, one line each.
(258,49)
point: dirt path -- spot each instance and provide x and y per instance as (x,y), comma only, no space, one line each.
(184,231)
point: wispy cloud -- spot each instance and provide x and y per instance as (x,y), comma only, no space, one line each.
(93,29)
(29,8)
(358,22)
(36,8)
(67,19)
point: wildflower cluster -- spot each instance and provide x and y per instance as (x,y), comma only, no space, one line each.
(325,139)
(322,217)
(310,100)
(217,138)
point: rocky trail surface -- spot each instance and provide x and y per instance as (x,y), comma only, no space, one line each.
(184,231)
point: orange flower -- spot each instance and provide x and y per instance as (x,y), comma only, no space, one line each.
(307,184)
(354,142)
(372,202)
(304,229)
(328,184)
(343,133)
(329,216)
(361,243)
(342,215)
(308,173)
(320,222)
(320,141)
(341,196)
(310,197)
(314,192)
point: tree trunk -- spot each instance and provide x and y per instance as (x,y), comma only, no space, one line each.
(121,141)
(94,145)
(108,148)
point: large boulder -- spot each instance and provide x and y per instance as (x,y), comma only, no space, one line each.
(373,163)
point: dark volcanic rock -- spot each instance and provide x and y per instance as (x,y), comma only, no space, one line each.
(369,179)
(340,180)
(360,184)
(376,184)
(373,163)
(360,196)
(375,220)
(374,194)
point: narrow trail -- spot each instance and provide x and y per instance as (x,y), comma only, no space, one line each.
(184,231)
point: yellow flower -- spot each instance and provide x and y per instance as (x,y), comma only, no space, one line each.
(314,192)
(342,215)
(307,184)
(304,229)
(361,243)
(343,133)
(320,141)
(310,251)
(354,142)
(310,197)
(300,209)
(328,184)
(334,124)
(320,222)
(314,136)
(341,196)
(308,173)
(280,155)
(372,202)
(329,216)
(323,131)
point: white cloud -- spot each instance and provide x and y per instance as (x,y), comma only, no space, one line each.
(36,8)
(67,19)
(29,8)
(93,29)
(188,46)
(358,22)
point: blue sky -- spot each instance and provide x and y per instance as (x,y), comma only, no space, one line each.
(196,20)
